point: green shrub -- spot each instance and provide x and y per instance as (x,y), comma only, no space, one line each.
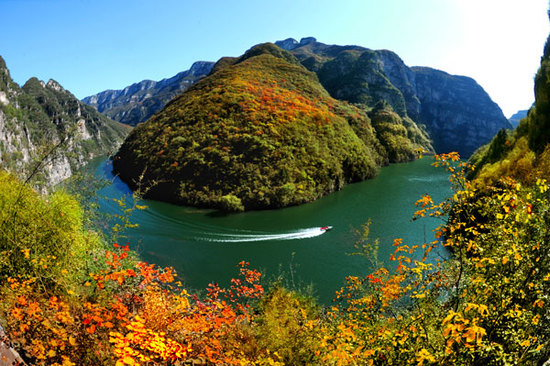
(37,232)
(230,203)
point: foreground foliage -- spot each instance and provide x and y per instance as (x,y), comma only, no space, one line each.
(486,304)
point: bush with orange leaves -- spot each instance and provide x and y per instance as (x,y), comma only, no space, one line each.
(485,303)
(135,314)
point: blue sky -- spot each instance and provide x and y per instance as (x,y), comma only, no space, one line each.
(92,45)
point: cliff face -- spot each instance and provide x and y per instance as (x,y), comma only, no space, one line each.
(139,101)
(456,111)
(39,116)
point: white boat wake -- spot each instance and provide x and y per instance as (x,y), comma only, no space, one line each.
(241,238)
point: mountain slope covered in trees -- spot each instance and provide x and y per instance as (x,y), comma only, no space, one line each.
(457,112)
(524,153)
(261,132)
(43,125)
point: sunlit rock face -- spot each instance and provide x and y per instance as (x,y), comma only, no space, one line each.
(43,125)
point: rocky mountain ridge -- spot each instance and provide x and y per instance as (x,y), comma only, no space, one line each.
(139,101)
(43,125)
(458,114)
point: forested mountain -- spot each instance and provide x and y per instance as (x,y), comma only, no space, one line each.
(457,112)
(262,132)
(524,153)
(44,125)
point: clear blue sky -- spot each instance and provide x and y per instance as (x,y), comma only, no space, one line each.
(92,45)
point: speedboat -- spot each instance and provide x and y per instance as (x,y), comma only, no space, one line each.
(326,228)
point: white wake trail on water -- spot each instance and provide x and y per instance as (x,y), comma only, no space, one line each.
(242,238)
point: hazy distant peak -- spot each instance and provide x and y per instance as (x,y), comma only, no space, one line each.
(287,44)
(290,43)
(307,40)
(200,68)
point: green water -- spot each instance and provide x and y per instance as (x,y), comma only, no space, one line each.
(205,246)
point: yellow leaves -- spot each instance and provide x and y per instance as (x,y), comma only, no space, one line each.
(525,343)
(72,341)
(425,201)
(539,303)
(474,333)
(450,316)
(66,361)
(418,295)
(423,355)
(481,308)
(542,185)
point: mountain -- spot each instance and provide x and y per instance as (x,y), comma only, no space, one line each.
(518,116)
(261,132)
(43,122)
(138,102)
(457,112)
(523,154)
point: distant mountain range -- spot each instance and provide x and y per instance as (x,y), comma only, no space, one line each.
(139,101)
(518,116)
(457,113)
(39,116)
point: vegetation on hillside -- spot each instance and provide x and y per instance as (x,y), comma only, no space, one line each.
(38,118)
(66,303)
(260,132)
(524,153)
(69,298)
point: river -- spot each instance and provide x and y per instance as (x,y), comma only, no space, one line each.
(205,246)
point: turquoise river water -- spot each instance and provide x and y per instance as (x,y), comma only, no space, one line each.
(205,246)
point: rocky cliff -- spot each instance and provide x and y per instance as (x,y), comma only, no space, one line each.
(139,101)
(44,127)
(458,114)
